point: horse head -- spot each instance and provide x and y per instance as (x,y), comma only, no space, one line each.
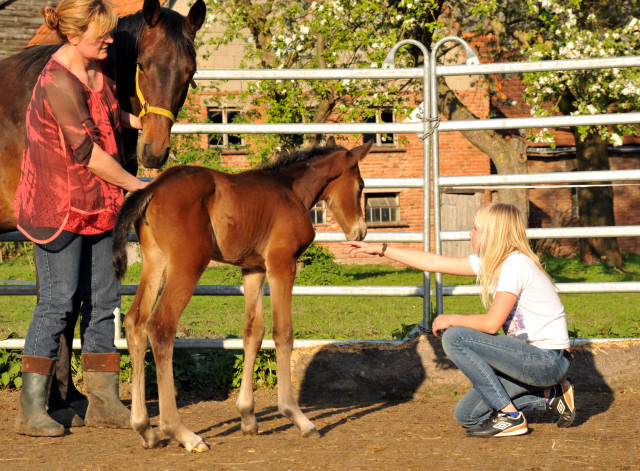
(343,195)
(165,67)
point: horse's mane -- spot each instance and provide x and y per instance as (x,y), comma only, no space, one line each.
(287,159)
(32,57)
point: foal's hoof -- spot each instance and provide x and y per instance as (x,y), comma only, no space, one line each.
(249,429)
(201,447)
(311,433)
(150,440)
(149,445)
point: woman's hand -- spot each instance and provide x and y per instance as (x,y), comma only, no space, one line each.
(105,166)
(129,120)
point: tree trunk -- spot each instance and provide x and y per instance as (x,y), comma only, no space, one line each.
(508,153)
(595,204)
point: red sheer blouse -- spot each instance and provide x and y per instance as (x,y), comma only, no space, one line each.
(57,191)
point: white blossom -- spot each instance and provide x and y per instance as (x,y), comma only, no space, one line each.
(616,139)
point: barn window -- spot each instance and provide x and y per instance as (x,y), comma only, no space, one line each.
(382,208)
(224,116)
(381,139)
(319,213)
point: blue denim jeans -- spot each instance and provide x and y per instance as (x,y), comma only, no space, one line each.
(502,370)
(74,262)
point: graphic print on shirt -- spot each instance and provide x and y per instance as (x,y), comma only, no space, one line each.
(514,325)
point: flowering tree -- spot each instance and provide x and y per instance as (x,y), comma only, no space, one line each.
(352,33)
(571,29)
(323,34)
(561,29)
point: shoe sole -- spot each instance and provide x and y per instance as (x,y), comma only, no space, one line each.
(515,431)
(521,429)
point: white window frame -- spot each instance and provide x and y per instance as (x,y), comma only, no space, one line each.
(393,209)
(226,118)
(320,210)
(383,139)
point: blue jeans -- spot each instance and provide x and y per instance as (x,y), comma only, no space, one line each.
(502,370)
(70,263)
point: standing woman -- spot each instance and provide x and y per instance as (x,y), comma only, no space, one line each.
(525,369)
(70,191)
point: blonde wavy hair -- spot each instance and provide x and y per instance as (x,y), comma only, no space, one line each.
(502,232)
(73,17)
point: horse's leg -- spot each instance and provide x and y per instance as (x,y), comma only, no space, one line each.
(253,335)
(161,327)
(135,324)
(281,273)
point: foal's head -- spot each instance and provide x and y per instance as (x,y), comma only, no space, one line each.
(343,195)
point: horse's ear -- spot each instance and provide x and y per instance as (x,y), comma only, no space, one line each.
(195,19)
(331,142)
(361,151)
(151,12)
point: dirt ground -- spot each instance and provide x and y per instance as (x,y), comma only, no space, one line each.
(402,435)
(377,407)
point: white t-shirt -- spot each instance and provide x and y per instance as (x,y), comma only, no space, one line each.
(538,315)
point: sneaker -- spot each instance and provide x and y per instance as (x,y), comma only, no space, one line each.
(564,404)
(500,425)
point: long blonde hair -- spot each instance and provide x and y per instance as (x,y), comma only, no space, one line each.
(73,17)
(502,232)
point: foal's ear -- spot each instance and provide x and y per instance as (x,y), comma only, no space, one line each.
(331,142)
(195,18)
(361,151)
(151,12)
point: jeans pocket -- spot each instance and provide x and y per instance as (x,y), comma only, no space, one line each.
(540,374)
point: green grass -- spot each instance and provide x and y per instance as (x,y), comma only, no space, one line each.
(338,317)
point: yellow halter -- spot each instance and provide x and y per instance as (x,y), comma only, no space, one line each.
(145,104)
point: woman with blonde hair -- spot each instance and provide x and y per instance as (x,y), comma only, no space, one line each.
(523,370)
(68,197)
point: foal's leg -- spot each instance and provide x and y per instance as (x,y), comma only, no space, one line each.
(281,286)
(181,281)
(253,335)
(136,330)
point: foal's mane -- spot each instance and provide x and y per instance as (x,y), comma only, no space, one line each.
(287,159)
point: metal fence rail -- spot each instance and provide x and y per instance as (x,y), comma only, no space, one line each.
(428,73)
(347,290)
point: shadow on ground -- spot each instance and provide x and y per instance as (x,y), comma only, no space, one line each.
(376,376)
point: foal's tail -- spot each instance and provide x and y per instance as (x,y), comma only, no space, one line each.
(132,210)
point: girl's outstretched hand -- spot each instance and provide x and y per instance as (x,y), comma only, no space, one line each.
(357,247)
(439,324)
